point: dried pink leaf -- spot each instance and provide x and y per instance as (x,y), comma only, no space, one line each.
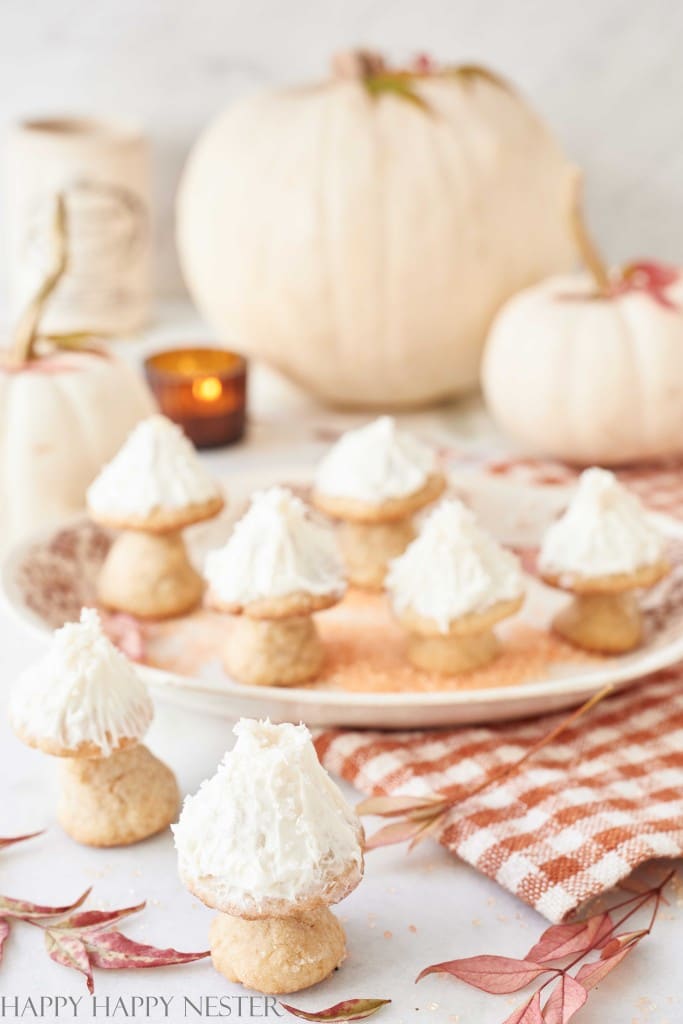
(563,940)
(391,806)
(113,951)
(498,975)
(566,999)
(397,832)
(349,1009)
(26,911)
(4,933)
(626,939)
(592,974)
(70,951)
(528,1013)
(92,920)
(11,840)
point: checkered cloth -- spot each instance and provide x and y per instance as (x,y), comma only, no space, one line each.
(578,816)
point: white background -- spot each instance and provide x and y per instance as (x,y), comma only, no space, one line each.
(607,74)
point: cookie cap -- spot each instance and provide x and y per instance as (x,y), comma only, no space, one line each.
(453,569)
(270,834)
(156,471)
(374,464)
(83,698)
(275,550)
(604,532)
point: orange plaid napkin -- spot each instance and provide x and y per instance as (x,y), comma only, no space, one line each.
(581,814)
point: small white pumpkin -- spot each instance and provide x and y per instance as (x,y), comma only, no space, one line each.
(63,414)
(589,367)
(360,234)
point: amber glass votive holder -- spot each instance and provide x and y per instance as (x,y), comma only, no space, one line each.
(203,390)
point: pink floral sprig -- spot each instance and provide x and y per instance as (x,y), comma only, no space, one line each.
(348,1010)
(591,949)
(11,840)
(422,816)
(87,940)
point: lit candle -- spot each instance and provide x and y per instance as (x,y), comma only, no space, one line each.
(203,390)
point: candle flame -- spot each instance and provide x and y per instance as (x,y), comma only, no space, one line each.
(207,389)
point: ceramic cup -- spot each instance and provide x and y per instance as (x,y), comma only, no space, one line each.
(102,169)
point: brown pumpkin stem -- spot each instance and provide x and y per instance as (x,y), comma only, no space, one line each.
(357,64)
(26,331)
(586,246)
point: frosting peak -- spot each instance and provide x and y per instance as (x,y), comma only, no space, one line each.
(453,568)
(156,469)
(375,463)
(270,828)
(275,549)
(604,531)
(82,692)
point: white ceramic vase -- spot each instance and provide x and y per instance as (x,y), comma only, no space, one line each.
(102,169)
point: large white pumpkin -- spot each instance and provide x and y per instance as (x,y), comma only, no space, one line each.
(61,417)
(360,234)
(591,376)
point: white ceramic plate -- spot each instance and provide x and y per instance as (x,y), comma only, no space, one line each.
(516,512)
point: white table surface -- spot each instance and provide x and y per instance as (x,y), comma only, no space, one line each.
(410,911)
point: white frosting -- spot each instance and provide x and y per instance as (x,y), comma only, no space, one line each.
(276,549)
(83,690)
(605,531)
(156,469)
(375,463)
(270,825)
(452,568)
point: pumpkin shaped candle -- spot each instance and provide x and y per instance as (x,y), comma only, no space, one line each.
(450,587)
(374,479)
(602,550)
(152,490)
(85,702)
(278,568)
(270,842)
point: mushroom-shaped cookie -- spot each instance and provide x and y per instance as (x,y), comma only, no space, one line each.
(86,703)
(270,842)
(602,549)
(450,587)
(279,566)
(374,480)
(153,488)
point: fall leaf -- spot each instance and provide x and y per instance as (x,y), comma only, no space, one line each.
(566,999)
(89,920)
(563,940)
(621,941)
(350,1009)
(498,975)
(4,933)
(390,806)
(25,911)
(592,974)
(528,1013)
(397,832)
(424,815)
(113,952)
(11,840)
(70,951)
